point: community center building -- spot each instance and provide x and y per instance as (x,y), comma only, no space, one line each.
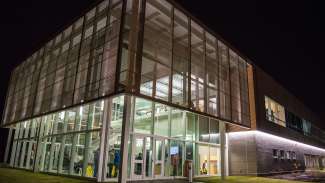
(141,90)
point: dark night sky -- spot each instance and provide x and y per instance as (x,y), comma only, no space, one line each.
(285,38)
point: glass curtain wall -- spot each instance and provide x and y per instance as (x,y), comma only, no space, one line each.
(77,65)
(67,142)
(184,64)
(165,139)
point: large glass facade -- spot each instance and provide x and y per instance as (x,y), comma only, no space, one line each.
(146,47)
(78,65)
(151,52)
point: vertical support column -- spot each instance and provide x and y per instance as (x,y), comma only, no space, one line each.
(9,139)
(222,131)
(102,164)
(125,138)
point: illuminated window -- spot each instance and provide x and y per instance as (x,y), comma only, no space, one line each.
(281,154)
(274,112)
(287,155)
(275,153)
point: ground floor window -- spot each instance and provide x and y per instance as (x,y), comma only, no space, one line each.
(66,142)
(163,141)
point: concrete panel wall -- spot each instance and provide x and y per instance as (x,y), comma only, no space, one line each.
(251,153)
(242,155)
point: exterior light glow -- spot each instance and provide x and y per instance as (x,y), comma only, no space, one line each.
(275,138)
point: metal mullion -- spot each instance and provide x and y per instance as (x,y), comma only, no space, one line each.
(248,93)
(189,63)
(132,44)
(71,133)
(104,141)
(154,81)
(126,122)
(140,46)
(218,77)
(205,86)
(240,96)
(170,93)
(120,47)
(230,90)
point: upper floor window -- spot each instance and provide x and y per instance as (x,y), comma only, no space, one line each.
(274,112)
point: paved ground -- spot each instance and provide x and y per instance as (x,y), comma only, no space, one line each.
(308,176)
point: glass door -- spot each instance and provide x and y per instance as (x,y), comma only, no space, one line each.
(147,160)
(159,155)
(148,157)
(137,157)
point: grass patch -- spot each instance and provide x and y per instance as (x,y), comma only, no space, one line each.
(8,175)
(244,179)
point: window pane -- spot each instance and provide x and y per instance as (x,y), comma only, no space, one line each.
(161,119)
(224,84)
(197,67)
(214,131)
(214,161)
(235,87)
(202,160)
(178,123)
(157,50)
(203,129)
(70,119)
(143,119)
(180,59)
(95,115)
(191,120)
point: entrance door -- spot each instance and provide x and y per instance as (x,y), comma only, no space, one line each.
(159,155)
(147,157)
(137,167)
